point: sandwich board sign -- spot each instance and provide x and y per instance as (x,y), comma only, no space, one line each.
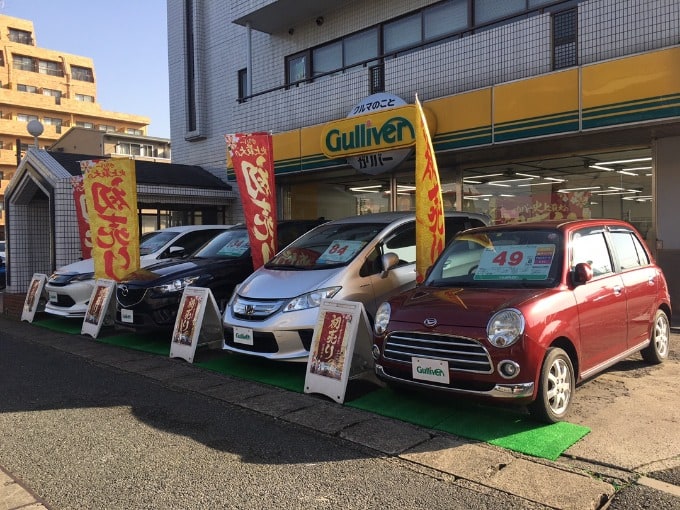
(332,357)
(198,322)
(33,297)
(101,308)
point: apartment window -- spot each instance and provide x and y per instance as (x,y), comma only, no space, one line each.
(23,117)
(106,128)
(297,67)
(444,19)
(564,39)
(327,58)
(403,33)
(23,63)
(20,36)
(51,92)
(242,83)
(490,10)
(361,47)
(52,121)
(85,98)
(27,88)
(49,67)
(88,125)
(82,73)
(134,149)
(132,131)
(2,59)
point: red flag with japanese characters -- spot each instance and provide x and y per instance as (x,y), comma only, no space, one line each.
(81,214)
(111,197)
(429,203)
(252,157)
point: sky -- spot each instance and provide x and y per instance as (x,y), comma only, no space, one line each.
(126,40)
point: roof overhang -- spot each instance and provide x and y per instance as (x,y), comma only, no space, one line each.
(282,15)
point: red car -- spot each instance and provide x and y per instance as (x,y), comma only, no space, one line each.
(520,313)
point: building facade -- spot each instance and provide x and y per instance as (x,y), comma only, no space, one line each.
(537,108)
(55,88)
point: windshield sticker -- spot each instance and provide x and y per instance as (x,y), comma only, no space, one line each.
(340,251)
(235,247)
(516,262)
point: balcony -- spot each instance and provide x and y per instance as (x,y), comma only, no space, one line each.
(281,15)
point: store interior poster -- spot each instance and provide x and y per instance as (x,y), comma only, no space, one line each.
(331,357)
(198,322)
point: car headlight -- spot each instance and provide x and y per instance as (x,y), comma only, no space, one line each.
(382,318)
(176,285)
(505,327)
(310,299)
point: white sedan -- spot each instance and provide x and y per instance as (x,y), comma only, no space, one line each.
(69,288)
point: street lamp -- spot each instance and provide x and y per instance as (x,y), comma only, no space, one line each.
(35,128)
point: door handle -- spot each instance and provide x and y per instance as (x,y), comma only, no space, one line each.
(617,290)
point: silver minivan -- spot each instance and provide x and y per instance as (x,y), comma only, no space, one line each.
(368,258)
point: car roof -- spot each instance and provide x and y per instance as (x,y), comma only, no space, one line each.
(389,217)
(566,225)
(185,228)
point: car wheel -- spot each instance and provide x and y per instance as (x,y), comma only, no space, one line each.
(555,387)
(657,350)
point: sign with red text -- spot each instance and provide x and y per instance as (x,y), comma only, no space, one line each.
(81,215)
(33,302)
(252,157)
(429,203)
(332,353)
(198,322)
(516,262)
(111,196)
(100,309)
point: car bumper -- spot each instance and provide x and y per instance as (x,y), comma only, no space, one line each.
(69,300)
(504,391)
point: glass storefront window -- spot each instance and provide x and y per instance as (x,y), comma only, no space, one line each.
(605,186)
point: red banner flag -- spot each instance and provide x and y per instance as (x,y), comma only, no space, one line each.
(252,156)
(429,203)
(81,214)
(111,196)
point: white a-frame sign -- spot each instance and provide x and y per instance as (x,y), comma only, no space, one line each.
(101,309)
(33,297)
(198,322)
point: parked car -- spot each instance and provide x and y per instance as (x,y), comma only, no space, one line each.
(148,299)
(2,250)
(362,258)
(520,313)
(69,288)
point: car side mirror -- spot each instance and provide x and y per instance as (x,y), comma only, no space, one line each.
(176,251)
(389,260)
(583,273)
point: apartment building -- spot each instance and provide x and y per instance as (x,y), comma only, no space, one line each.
(55,88)
(537,108)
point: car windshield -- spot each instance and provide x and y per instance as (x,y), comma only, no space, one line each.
(507,258)
(230,244)
(153,241)
(329,245)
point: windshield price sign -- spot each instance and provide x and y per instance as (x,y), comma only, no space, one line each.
(340,251)
(516,262)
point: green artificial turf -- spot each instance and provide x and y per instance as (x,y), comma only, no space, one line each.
(499,426)
(507,428)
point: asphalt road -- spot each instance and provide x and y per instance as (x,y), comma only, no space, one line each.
(104,427)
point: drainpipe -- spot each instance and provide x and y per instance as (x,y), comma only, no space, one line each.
(249,58)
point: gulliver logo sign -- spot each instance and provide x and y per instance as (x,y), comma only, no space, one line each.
(377,135)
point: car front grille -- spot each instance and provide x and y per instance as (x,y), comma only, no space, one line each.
(264,341)
(462,354)
(63,301)
(129,296)
(256,310)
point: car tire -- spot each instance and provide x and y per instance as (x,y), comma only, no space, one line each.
(657,350)
(555,387)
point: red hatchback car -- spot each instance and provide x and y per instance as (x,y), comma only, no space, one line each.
(520,313)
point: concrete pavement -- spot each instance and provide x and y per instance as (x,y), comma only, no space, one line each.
(577,481)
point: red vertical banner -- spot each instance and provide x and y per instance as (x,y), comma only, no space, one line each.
(81,215)
(111,195)
(429,204)
(252,157)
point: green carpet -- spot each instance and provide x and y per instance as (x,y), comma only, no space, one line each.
(499,426)
(495,425)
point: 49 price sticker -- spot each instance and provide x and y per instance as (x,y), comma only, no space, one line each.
(340,251)
(531,261)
